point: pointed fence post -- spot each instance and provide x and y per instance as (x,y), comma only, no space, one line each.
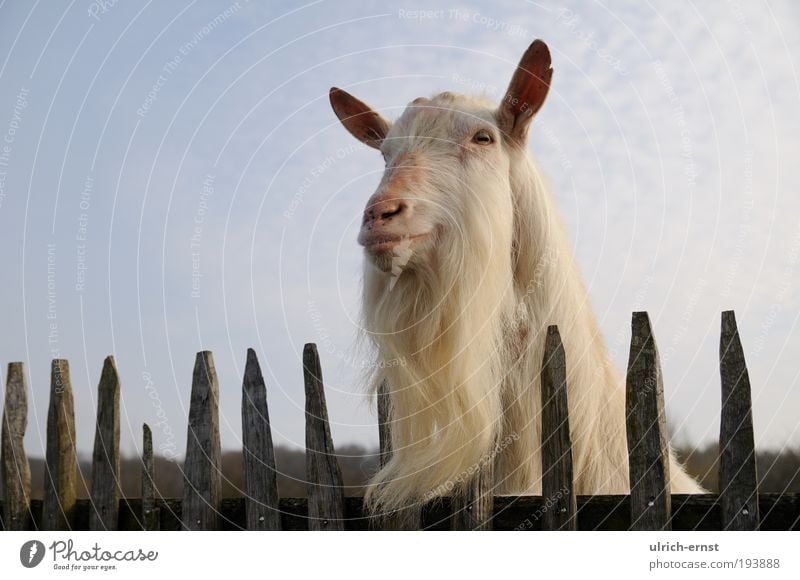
(473,509)
(738,481)
(384,417)
(202,466)
(325,493)
(60,457)
(648,453)
(15,470)
(105,459)
(150,511)
(557,482)
(410,517)
(260,475)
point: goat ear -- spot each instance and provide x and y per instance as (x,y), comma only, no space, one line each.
(363,123)
(526,92)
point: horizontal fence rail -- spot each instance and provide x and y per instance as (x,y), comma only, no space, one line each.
(650,506)
(517,513)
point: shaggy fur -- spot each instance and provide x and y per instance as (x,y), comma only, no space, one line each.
(481,267)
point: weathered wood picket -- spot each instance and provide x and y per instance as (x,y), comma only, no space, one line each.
(260,475)
(738,506)
(651,502)
(556,443)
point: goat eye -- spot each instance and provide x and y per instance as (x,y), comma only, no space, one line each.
(483,138)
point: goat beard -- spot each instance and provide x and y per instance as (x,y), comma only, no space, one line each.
(449,320)
(394,261)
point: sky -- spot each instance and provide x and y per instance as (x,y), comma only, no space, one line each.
(172,179)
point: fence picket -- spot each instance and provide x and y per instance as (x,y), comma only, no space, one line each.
(651,502)
(410,517)
(557,482)
(150,511)
(15,470)
(60,456)
(202,466)
(105,459)
(473,509)
(384,429)
(260,475)
(325,493)
(738,481)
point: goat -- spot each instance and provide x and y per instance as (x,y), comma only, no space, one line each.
(466,264)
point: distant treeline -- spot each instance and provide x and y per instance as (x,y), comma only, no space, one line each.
(778,472)
(356,462)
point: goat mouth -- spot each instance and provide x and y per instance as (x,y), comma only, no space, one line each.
(381,244)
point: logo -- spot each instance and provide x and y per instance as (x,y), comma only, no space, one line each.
(31,553)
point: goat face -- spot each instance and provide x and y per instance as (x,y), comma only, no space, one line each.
(446,183)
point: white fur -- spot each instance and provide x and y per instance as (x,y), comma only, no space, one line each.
(467,316)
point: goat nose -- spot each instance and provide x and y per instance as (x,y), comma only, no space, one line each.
(384,210)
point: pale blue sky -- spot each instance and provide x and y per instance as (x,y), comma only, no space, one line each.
(184,139)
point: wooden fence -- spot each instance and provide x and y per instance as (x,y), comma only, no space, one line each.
(738,506)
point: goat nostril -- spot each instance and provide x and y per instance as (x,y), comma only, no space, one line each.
(382,212)
(393,211)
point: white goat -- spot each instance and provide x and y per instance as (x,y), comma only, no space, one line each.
(467,263)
